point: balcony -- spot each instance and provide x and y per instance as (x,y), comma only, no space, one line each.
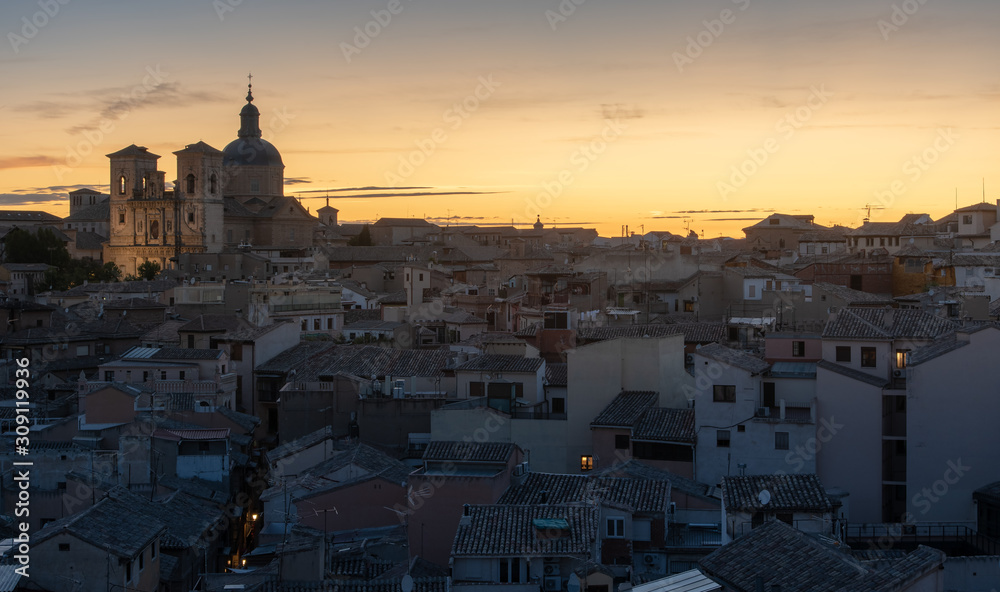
(955,538)
(226,383)
(791,414)
(299,307)
(694,536)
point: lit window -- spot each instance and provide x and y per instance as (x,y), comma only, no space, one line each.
(586,462)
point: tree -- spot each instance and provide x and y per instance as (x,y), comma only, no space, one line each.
(364,238)
(42,247)
(148,270)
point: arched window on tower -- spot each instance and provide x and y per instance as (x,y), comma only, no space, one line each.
(121,185)
(214,184)
(190,184)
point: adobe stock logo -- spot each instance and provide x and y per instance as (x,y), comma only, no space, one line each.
(786,128)
(31,26)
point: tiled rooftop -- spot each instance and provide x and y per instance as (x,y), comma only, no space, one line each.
(885,324)
(791,560)
(557,374)
(732,357)
(639,495)
(501,363)
(369,461)
(787,493)
(469,451)
(111,525)
(666,425)
(625,409)
(510,531)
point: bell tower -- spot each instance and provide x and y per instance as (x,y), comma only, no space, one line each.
(198,192)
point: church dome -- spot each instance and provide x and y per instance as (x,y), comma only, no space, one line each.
(249,149)
(251,152)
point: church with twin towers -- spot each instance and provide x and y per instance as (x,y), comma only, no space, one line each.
(220,200)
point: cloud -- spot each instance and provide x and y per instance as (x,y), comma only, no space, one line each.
(728,219)
(752,210)
(370,188)
(30,199)
(22,162)
(114,103)
(297,180)
(60,189)
(129,100)
(418,194)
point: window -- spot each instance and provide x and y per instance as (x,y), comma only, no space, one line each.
(868,359)
(843,353)
(316,325)
(128,571)
(64,546)
(722,439)
(191,217)
(421,278)
(163,374)
(967,219)
(190,184)
(621,442)
(329,323)
(558,405)
(616,527)
(152,550)
(774,221)
(741,429)
(214,184)
(121,185)
(752,291)
(121,217)
(586,462)
(798,349)
(237,352)
(109,376)
(724,393)
(767,394)
(190,341)
(781,440)
(254,186)
(82,350)
(510,571)
(180,375)
(902,357)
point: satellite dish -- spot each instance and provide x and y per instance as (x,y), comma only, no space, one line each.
(764,497)
(406,584)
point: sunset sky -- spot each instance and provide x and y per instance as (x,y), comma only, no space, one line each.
(586,112)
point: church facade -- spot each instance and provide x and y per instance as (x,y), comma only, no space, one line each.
(220,200)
